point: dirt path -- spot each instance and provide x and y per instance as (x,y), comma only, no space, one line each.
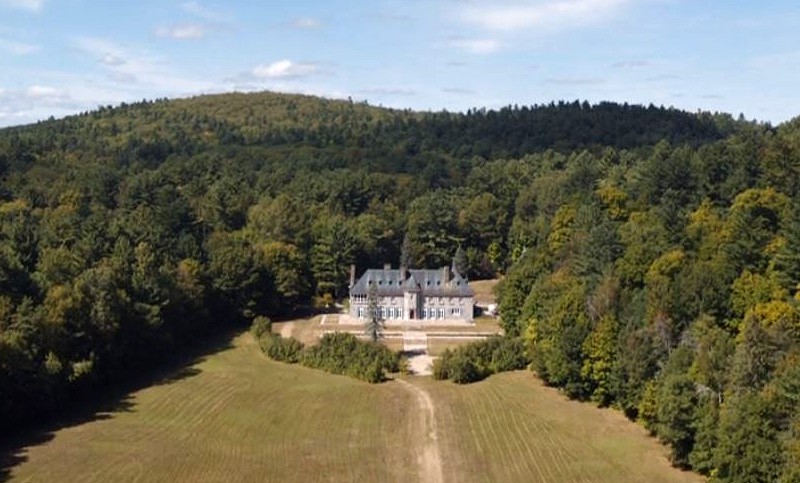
(415,343)
(286,329)
(429,457)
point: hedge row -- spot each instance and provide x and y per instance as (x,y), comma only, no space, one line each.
(478,360)
(337,353)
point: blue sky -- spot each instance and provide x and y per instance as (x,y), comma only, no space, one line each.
(59,57)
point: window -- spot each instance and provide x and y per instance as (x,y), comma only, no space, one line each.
(361,312)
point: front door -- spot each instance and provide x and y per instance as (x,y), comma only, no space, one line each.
(412,315)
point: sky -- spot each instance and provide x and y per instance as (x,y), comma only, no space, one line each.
(60,57)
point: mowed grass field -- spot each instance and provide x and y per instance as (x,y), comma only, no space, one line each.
(235,416)
(484,291)
(511,428)
(239,417)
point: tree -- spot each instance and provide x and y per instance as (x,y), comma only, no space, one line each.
(331,256)
(433,228)
(460,264)
(600,350)
(406,255)
(677,399)
(705,425)
(712,358)
(375,322)
(749,450)
(289,272)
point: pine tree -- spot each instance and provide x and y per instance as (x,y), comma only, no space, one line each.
(787,260)
(375,322)
(406,259)
(460,264)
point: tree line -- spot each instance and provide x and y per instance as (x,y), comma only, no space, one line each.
(650,256)
(668,286)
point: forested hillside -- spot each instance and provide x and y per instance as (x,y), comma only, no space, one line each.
(651,256)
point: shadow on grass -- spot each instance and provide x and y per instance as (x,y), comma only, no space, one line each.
(104,402)
(413,352)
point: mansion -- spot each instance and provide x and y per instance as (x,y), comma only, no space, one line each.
(413,295)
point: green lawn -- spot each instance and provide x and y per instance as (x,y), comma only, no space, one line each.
(511,428)
(236,416)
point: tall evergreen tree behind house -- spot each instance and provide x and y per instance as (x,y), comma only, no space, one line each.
(460,263)
(406,255)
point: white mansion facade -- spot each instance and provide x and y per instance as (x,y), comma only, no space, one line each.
(413,295)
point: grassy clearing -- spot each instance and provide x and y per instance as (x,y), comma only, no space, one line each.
(484,291)
(306,330)
(481,324)
(236,416)
(511,428)
(437,345)
(239,417)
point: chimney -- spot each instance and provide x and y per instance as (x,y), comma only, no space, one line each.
(352,275)
(403,273)
(446,274)
(387,266)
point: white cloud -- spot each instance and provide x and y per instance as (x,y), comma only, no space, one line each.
(40,92)
(206,13)
(187,31)
(477,46)
(32,103)
(458,91)
(111,60)
(306,23)
(129,67)
(18,48)
(284,69)
(543,14)
(631,64)
(32,5)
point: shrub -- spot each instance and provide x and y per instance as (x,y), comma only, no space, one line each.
(508,354)
(338,353)
(285,350)
(463,370)
(441,366)
(343,353)
(261,325)
(478,360)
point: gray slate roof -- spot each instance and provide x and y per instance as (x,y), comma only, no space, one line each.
(426,282)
